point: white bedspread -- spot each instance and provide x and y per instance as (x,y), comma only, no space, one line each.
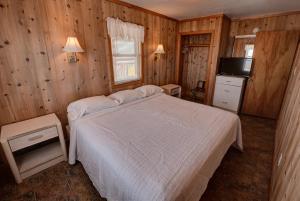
(159,148)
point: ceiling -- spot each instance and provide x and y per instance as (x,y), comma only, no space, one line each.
(184,9)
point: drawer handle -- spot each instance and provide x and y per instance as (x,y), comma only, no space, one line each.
(227,91)
(35,137)
(224,102)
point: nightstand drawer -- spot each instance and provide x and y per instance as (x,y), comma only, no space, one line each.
(175,91)
(33,138)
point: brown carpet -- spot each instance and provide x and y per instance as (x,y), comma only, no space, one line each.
(241,176)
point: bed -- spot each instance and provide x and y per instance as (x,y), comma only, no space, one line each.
(156,148)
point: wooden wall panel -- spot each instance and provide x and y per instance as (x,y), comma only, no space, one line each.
(239,46)
(219,26)
(288,21)
(195,59)
(285,179)
(195,64)
(35,77)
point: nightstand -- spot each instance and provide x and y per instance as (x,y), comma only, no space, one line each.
(33,145)
(172,90)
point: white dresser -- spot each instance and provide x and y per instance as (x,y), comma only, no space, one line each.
(33,145)
(228,92)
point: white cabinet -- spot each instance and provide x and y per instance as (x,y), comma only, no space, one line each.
(33,145)
(228,92)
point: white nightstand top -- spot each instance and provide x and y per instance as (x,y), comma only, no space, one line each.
(10,131)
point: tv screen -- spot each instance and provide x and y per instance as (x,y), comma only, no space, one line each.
(235,66)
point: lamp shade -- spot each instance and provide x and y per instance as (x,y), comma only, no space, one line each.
(72,45)
(160,49)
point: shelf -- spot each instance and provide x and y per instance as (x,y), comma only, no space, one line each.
(200,45)
(38,156)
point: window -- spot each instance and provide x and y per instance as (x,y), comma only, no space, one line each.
(126,61)
(249,49)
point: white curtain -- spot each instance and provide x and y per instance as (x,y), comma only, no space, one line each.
(117,29)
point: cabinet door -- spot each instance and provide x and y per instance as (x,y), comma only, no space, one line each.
(273,56)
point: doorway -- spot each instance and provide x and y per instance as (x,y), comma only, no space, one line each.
(195,51)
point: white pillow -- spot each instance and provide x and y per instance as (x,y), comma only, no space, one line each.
(125,96)
(89,105)
(149,90)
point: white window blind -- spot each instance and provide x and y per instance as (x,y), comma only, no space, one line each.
(126,60)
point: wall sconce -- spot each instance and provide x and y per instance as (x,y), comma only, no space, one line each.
(72,46)
(159,51)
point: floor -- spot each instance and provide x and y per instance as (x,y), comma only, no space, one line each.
(241,176)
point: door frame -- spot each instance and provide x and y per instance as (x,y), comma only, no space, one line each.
(179,67)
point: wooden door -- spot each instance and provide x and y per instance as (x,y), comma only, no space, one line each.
(273,57)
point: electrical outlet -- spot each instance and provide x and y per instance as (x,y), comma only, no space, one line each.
(279,160)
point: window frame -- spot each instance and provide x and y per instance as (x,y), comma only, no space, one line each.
(136,83)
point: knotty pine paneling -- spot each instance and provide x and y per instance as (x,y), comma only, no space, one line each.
(195,55)
(194,68)
(35,77)
(219,25)
(157,30)
(285,178)
(288,21)
(239,46)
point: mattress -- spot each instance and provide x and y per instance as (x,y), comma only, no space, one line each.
(158,148)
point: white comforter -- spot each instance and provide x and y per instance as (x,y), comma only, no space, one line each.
(159,148)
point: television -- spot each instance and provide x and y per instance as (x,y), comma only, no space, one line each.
(237,66)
